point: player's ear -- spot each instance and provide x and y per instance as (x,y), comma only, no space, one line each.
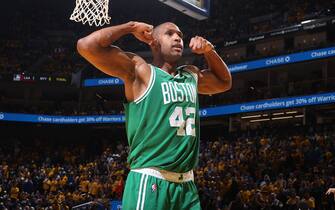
(154,43)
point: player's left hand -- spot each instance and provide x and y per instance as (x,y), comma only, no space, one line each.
(199,45)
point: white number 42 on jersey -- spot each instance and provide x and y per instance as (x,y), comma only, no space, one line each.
(177,120)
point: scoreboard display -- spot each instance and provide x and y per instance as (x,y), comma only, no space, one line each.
(198,9)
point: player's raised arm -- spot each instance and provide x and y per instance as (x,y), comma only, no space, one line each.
(97,48)
(217,78)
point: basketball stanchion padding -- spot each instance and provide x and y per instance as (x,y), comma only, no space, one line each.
(91,12)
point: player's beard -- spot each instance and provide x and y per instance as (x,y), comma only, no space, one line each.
(173,55)
(169,53)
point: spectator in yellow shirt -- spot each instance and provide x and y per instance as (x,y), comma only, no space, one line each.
(53,185)
(94,188)
(83,185)
(63,181)
(14,192)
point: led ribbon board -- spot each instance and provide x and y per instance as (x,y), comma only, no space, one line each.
(280,103)
(271,104)
(283,60)
(245,66)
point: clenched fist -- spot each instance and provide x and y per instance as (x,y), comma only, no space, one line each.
(199,45)
(143,32)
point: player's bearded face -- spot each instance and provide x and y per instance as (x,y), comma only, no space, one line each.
(171,43)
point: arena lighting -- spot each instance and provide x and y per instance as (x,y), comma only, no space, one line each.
(251,116)
(260,120)
(265,115)
(278,113)
(292,112)
(299,116)
(282,118)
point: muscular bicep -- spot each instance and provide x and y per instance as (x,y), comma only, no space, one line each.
(209,83)
(110,60)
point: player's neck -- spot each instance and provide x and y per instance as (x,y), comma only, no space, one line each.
(169,67)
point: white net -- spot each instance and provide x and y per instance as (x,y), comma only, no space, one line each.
(91,12)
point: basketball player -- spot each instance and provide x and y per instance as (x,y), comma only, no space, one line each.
(162,118)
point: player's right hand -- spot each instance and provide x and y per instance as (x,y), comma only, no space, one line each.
(143,32)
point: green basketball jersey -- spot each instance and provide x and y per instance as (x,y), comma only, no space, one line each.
(163,124)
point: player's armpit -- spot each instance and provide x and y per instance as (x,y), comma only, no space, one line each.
(141,71)
(209,83)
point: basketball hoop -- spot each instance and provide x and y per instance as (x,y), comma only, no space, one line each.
(91,12)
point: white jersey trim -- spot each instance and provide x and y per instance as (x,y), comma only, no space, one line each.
(150,85)
(139,193)
(144,190)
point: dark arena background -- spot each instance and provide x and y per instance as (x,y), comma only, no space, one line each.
(267,144)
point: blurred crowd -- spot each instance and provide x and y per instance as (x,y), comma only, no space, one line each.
(256,170)
(39,55)
(271,170)
(51,175)
(45,42)
(66,107)
(282,14)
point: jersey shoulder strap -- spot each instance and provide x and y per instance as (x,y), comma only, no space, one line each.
(192,70)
